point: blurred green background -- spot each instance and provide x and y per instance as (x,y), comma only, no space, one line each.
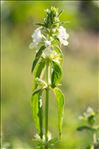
(80,79)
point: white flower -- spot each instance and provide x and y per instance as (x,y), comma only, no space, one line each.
(63,36)
(37,35)
(47,43)
(89,112)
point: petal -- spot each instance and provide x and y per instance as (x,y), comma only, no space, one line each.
(64,42)
(67,36)
(47,43)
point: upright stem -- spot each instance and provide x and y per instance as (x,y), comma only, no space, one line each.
(46,105)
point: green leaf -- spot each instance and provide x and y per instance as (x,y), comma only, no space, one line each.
(81,128)
(37,110)
(58,50)
(56,74)
(40,24)
(55,41)
(37,57)
(39,68)
(60,13)
(60,104)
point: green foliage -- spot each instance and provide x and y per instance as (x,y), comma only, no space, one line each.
(56,74)
(37,57)
(35,107)
(58,50)
(39,68)
(85,128)
(60,104)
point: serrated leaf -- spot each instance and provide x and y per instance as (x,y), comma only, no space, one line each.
(37,57)
(60,104)
(56,74)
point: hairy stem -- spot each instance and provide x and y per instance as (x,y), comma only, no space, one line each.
(47,105)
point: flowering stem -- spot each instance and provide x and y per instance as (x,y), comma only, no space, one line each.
(46,105)
(45,38)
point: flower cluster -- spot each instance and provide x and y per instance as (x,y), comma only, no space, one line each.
(89,116)
(50,32)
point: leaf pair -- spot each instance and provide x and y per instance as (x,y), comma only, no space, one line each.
(56,75)
(37,107)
